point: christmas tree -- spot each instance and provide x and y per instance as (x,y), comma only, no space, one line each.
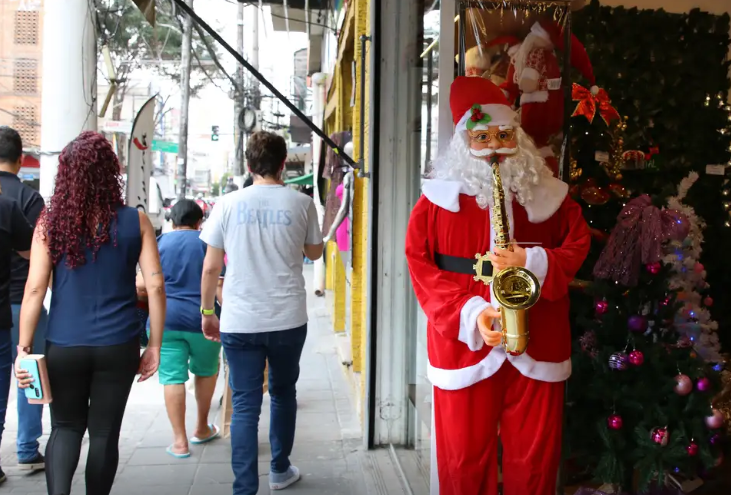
(639,400)
(596,157)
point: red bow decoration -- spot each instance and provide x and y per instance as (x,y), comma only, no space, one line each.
(655,150)
(588,103)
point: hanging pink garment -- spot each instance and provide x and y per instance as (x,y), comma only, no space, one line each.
(342,236)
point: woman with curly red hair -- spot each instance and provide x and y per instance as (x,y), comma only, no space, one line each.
(91,244)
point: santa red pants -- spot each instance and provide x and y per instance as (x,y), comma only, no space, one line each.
(530,416)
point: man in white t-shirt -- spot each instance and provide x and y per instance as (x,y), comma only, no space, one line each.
(264,230)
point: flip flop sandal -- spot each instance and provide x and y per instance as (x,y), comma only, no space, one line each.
(169,451)
(215,432)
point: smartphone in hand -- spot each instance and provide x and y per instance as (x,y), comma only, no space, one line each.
(39,391)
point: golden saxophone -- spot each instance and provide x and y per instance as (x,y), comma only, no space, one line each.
(515,288)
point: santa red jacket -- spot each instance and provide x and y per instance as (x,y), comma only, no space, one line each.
(448,221)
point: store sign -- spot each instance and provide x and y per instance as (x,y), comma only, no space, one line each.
(165,146)
(123,126)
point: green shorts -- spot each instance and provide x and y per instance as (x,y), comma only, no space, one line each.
(187,351)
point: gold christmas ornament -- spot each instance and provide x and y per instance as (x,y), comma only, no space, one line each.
(722,401)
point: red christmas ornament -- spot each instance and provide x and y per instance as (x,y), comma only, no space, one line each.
(703,384)
(708,301)
(683,385)
(698,268)
(660,436)
(614,422)
(595,196)
(692,449)
(636,358)
(653,268)
(601,307)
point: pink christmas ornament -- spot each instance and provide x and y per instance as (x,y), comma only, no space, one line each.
(683,385)
(698,268)
(601,307)
(660,436)
(614,422)
(715,420)
(653,268)
(636,358)
(703,384)
(708,301)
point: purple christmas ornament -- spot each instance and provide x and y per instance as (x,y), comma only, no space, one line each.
(703,384)
(637,323)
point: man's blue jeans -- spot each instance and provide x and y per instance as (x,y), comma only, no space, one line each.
(30,416)
(6,365)
(247,354)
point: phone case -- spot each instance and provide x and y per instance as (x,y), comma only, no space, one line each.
(36,365)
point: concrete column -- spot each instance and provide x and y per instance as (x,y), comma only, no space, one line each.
(318,116)
(69,81)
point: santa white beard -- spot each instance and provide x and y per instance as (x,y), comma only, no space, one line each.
(520,173)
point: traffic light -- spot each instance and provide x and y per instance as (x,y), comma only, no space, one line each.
(214,133)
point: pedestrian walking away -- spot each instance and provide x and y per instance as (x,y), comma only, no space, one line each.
(30,416)
(263,230)
(89,245)
(15,237)
(184,348)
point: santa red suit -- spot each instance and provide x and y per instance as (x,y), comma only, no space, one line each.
(535,74)
(480,392)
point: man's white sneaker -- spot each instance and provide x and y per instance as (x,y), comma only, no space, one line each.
(280,481)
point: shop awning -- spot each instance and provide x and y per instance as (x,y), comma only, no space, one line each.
(302,180)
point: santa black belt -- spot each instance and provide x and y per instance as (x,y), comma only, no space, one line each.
(466,266)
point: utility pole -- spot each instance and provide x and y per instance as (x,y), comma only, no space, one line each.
(319,80)
(69,83)
(239,101)
(185,63)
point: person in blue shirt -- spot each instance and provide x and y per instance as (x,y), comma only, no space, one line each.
(184,348)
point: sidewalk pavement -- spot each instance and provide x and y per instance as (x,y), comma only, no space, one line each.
(328,447)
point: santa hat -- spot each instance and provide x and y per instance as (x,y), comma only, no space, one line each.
(553,33)
(477,103)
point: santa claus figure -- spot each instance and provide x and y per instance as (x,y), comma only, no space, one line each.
(493,60)
(480,391)
(535,75)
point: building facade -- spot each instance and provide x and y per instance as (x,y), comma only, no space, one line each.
(21,57)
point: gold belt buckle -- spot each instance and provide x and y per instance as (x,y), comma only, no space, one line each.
(481,260)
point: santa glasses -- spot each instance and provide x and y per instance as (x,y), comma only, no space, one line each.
(502,135)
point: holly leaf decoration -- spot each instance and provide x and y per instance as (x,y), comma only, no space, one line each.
(478,117)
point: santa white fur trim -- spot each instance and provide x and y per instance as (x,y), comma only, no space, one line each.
(513,50)
(547,197)
(530,73)
(499,115)
(468,332)
(526,365)
(536,262)
(538,30)
(534,97)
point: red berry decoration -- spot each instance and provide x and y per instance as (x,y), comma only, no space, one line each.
(614,422)
(692,449)
(636,358)
(653,268)
(703,384)
(660,436)
(601,307)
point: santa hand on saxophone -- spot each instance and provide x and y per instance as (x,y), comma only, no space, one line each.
(494,221)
